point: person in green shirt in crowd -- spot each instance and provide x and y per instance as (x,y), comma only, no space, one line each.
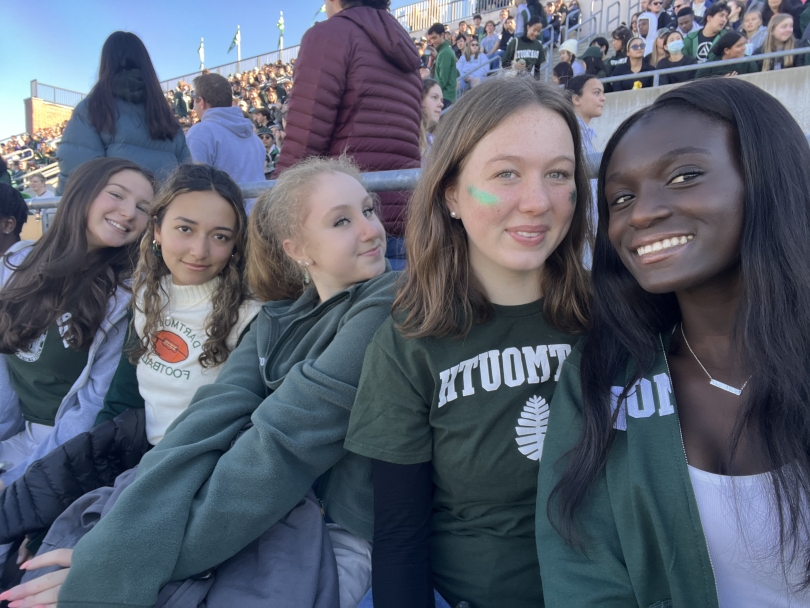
(676,469)
(698,43)
(527,52)
(444,67)
(453,400)
(731,45)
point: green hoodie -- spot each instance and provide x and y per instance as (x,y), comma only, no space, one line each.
(640,524)
(690,43)
(201,495)
(445,71)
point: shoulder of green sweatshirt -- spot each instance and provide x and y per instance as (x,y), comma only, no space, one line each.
(690,43)
(244,453)
(445,70)
(640,526)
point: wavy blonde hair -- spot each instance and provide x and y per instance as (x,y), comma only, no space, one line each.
(232,291)
(440,294)
(278,216)
(772,45)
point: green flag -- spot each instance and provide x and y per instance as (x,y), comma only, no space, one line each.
(320,10)
(237,38)
(280,26)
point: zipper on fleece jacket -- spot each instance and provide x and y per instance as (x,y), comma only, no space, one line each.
(318,311)
(683,447)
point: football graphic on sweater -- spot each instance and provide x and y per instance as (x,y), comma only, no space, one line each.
(170,347)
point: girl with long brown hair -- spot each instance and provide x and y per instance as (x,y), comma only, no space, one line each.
(456,384)
(63,314)
(780,38)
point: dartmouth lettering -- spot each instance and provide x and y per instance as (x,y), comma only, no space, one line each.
(510,367)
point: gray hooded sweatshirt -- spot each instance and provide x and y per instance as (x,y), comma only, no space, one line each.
(225,140)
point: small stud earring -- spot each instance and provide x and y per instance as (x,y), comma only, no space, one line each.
(453,214)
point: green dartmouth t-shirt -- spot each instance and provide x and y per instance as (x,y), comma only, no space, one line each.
(477,408)
(42,375)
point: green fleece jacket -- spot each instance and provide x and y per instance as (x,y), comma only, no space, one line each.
(715,66)
(640,523)
(445,71)
(212,485)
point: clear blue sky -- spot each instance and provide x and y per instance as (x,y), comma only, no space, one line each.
(58,42)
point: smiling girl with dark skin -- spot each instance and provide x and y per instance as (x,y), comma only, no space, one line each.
(678,433)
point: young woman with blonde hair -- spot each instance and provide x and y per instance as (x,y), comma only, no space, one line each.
(780,38)
(456,384)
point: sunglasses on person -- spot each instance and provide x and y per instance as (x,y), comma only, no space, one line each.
(265,136)
(637,47)
(656,3)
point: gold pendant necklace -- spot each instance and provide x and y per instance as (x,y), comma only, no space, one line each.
(721,385)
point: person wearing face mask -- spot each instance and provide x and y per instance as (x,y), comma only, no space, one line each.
(673,44)
(635,65)
(780,38)
(676,469)
(731,45)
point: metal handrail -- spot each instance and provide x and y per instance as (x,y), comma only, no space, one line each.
(381,181)
(58,95)
(609,21)
(633,7)
(285,54)
(656,74)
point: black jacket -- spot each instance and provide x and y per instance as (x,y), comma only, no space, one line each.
(87,462)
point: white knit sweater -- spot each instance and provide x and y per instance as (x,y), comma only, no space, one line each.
(168,378)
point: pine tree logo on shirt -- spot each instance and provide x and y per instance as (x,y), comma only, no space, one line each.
(533,423)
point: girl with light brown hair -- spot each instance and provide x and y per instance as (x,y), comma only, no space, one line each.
(454,397)
(780,38)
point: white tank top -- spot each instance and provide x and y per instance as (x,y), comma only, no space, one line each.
(742,536)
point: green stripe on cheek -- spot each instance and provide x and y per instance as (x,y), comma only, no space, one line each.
(485,198)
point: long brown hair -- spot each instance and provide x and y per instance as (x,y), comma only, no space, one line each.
(125,63)
(233,289)
(441,295)
(60,275)
(772,44)
(277,216)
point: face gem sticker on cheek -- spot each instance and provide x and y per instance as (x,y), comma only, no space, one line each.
(485,198)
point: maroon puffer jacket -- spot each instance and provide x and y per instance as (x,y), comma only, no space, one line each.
(357,90)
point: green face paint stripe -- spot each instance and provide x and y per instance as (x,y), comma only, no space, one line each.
(485,198)
(573,197)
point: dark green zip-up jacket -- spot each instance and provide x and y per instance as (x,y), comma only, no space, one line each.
(640,524)
(198,499)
